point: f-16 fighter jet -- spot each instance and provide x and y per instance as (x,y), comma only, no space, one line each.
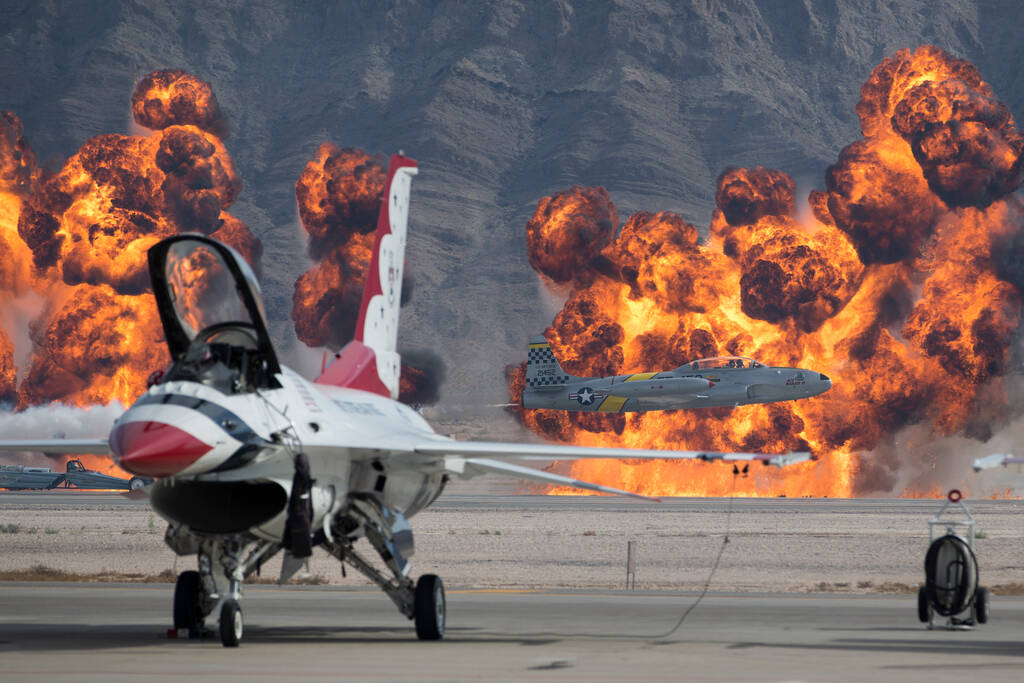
(251,459)
(704,383)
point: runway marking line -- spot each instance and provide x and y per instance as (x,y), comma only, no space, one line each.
(499,591)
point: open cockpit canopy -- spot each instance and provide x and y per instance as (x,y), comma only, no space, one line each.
(722,362)
(212,313)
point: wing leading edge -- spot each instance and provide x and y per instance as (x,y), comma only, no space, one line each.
(69,446)
(467,459)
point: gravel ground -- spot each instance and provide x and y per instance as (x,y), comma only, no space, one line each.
(784,546)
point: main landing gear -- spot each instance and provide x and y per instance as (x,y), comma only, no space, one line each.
(390,535)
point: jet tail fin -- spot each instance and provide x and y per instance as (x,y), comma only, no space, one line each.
(371,361)
(542,368)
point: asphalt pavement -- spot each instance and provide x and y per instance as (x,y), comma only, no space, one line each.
(91,632)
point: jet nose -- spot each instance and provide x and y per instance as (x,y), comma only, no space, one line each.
(154,449)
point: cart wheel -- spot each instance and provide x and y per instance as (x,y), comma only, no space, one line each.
(924,608)
(981,605)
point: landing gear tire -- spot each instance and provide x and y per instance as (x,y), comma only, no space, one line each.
(981,605)
(187,593)
(231,625)
(924,608)
(429,607)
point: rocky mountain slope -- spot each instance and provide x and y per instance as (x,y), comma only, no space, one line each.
(501,103)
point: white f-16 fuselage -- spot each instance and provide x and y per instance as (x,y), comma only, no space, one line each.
(250,459)
(242,444)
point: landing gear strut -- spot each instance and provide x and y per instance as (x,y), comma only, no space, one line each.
(390,535)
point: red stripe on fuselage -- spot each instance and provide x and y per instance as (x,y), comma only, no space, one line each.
(155,449)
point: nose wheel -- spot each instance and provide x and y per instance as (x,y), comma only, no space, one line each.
(231,625)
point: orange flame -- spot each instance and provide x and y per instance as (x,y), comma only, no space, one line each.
(84,231)
(891,289)
(339,196)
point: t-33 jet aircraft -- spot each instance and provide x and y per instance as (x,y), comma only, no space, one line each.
(705,383)
(250,459)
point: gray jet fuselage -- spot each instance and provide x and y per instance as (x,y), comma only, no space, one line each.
(707,383)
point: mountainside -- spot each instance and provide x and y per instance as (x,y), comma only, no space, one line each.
(501,103)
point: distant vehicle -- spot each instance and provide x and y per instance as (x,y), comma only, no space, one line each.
(706,383)
(18,478)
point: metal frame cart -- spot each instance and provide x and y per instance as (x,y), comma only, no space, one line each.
(951,587)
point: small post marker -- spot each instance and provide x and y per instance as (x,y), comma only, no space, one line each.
(630,565)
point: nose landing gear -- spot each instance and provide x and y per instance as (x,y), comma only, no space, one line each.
(198,594)
(230,623)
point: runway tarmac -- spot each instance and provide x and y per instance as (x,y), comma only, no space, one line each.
(89,632)
(27,500)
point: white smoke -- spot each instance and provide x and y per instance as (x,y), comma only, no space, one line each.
(55,421)
(918,460)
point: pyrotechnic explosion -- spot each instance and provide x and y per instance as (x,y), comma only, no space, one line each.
(82,234)
(339,195)
(894,289)
(18,173)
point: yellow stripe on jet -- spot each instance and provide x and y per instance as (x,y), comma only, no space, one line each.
(540,346)
(640,376)
(612,404)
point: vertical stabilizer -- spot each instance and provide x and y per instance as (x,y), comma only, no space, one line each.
(371,361)
(542,369)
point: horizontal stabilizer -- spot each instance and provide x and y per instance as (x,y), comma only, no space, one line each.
(70,446)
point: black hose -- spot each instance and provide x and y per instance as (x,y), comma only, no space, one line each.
(711,574)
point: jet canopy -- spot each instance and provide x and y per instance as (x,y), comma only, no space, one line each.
(212,314)
(720,362)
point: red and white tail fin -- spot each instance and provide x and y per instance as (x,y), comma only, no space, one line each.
(371,361)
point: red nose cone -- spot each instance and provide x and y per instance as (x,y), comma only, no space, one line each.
(155,449)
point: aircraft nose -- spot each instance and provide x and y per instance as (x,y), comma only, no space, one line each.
(155,449)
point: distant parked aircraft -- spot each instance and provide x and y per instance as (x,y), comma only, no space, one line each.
(18,477)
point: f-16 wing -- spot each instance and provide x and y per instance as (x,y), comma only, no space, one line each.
(996,460)
(464,459)
(69,446)
(529,451)
(470,467)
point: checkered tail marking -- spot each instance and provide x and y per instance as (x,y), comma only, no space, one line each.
(541,367)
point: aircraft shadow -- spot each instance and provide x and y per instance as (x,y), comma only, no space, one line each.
(944,647)
(31,637)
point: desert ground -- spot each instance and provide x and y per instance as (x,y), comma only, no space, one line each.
(546,542)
